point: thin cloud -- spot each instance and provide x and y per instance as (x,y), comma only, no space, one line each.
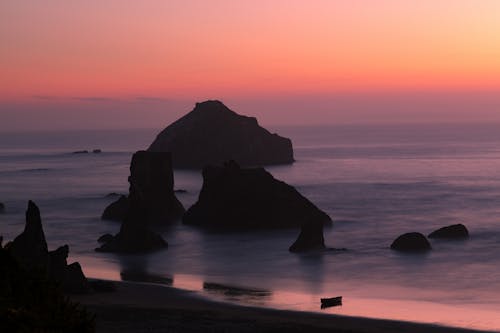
(45,97)
(96,99)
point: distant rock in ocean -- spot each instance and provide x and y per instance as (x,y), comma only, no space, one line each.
(151,176)
(81,152)
(29,249)
(235,198)
(455,231)
(2,207)
(212,133)
(411,242)
(151,201)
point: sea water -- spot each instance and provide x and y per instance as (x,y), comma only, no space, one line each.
(375,181)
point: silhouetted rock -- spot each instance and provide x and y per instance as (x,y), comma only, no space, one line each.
(81,152)
(211,134)
(30,248)
(411,242)
(2,207)
(236,198)
(113,195)
(310,238)
(97,151)
(75,281)
(105,238)
(152,177)
(117,210)
(455,231)
(151,200)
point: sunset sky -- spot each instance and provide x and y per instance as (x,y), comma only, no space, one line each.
(111,64)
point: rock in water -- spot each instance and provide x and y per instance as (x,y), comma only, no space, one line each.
(151,177)
(2,207)
(234,198)
(411,242)
(30,248)
(455,231)
(211,134)
(310,238)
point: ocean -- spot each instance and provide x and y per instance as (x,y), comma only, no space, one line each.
(375,181)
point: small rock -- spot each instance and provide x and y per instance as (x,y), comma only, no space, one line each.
(2,207)
(411,242)
(81,152)
(455,231)
(97,151)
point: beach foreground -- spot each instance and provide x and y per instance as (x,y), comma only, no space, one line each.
(137,307)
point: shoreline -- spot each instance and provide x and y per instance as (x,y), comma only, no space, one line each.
(141,307)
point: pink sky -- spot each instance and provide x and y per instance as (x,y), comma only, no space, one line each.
(106,63)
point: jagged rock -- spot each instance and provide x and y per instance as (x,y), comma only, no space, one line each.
(236,198)
(310,238)
(30,248)
(58,263)
(411,242)
(2,207)
(455,231)
(151,176)
(117,210)
(211,134)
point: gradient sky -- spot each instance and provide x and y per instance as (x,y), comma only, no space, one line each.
(108,64)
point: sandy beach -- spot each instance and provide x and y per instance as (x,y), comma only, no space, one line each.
(137,307)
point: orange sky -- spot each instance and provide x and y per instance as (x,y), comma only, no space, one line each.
(240,51)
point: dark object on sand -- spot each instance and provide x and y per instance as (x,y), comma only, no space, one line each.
(81,152)
(455,231)
(233,198)
(151,177)
(329,302)
(411,242)
(211,134)
(2,207)
(97,151)
(29,249)
(151,200)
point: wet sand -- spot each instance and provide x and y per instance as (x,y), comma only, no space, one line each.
(137,307)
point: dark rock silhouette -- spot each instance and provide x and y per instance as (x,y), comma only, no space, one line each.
(411,242)
(30,251)
(117,210)
(81,152)
(455,231)
(151,200)
(310,238)
(112,195)
(30,247)
(97,151)
(211,134)
(151,177)
(105,238)
(2,207)
(235,198)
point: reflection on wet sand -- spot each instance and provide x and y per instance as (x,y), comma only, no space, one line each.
(238,294)
(141,276)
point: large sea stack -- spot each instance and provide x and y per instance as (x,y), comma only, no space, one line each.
(152,180)
(235,198)
(212,133)
(151,200)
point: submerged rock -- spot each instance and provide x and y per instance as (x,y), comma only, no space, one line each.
(151,177)
(212,133)
(411,242)
(234,198)
(455,231)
